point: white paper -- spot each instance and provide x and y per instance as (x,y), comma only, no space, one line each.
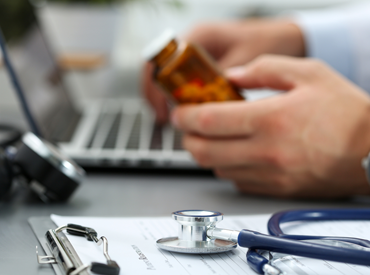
(132,243)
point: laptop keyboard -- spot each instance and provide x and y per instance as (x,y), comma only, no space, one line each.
(133,132)
(124,133)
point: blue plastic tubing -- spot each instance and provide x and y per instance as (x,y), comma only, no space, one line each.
(293,244)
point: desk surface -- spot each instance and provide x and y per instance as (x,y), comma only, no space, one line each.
(122,194)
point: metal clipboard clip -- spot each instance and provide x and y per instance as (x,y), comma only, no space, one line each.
(65,256)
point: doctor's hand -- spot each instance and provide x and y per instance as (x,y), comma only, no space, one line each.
(232,44)
(305,143)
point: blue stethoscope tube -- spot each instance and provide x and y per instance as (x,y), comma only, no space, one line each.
(277,241)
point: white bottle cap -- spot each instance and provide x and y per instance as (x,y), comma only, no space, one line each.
(158,44)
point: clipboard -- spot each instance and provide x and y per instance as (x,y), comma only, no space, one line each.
(60,252)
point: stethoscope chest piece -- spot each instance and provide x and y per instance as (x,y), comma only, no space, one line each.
(192,237)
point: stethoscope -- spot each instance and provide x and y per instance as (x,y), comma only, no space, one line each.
(198,234)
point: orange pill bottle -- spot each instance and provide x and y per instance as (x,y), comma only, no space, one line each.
(186,72)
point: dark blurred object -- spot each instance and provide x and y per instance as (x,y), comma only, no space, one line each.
(8,135)
(15,15)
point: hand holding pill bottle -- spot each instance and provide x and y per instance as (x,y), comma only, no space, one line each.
(186,72)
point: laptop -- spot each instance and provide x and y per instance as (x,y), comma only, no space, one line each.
(104,133)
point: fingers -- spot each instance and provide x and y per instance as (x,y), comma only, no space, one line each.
(228,152)
(226,119)
(276,72)
(259,180)
(251,188)
(265,181)
(155,97)
(213,37)
(221,41)
(255,174)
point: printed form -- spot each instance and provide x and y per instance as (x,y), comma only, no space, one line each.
(132,244)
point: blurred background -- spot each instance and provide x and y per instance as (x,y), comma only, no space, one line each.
(112,33)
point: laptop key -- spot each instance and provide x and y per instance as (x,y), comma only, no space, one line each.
(156,141)
(111,139)
(134,140)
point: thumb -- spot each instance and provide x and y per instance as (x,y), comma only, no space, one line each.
(269,71)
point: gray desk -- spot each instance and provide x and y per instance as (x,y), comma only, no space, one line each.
(116,194)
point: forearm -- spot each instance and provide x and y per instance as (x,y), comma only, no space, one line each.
(340,38)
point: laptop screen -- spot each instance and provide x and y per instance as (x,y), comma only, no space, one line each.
(38,83)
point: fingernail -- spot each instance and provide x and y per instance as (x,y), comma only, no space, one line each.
(174,119)
(235,72)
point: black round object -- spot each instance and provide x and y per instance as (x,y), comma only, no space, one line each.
(6,176)
(51,175)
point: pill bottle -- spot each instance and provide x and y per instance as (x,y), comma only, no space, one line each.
(186,72)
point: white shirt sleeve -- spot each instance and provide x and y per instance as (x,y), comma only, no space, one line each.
(341,38)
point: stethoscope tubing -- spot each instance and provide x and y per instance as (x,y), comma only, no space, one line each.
(256,240)
(274,224)
(277,241)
